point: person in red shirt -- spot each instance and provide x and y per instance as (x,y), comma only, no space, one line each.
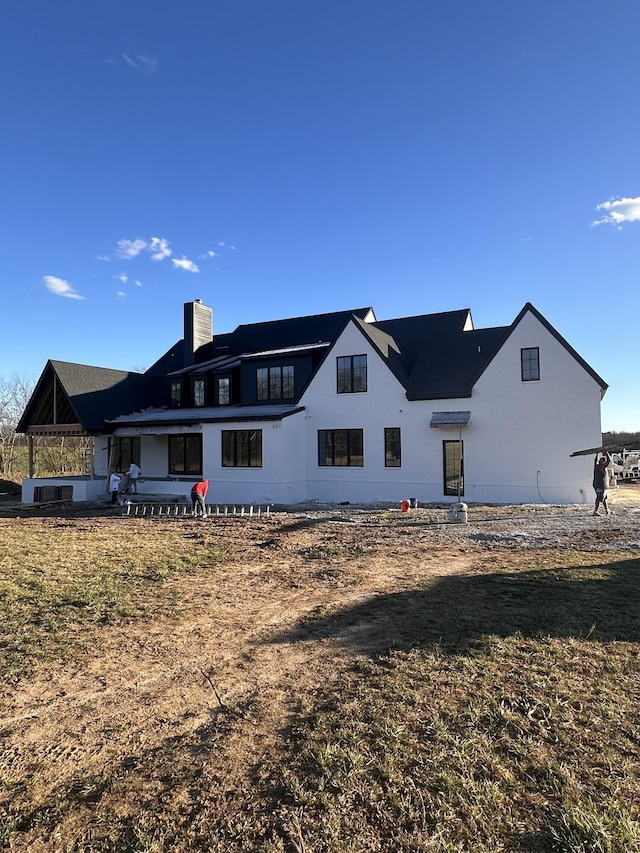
(198,494)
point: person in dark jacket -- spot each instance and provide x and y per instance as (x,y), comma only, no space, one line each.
(601,481)
(198,494)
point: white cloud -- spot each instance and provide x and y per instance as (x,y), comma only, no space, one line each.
(103,258)
(209,254)
(123,277)
(130,248)
(185,264)
(120,294)
(159,248)
(618,211)
(137,283)
(60,287)
(140,60)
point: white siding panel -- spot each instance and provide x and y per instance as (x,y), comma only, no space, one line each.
(384,404)
(522,433)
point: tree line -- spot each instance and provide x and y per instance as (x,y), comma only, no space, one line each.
(623,439)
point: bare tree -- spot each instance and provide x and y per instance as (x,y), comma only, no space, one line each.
(14,396)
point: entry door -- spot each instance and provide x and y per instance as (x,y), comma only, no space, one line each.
(453,468)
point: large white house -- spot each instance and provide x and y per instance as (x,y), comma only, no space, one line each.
(337,407)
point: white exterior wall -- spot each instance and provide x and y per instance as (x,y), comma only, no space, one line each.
(279,480)
(516,448)
(384,404)
(84,488)
(521,434)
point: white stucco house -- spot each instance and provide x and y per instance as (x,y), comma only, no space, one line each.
(337,407)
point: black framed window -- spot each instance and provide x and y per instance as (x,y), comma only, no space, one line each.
(223,390)
(392,448)
(275,383)
(199,396)
(530,363)
(175,400)
(453,467)
(185,454)
(351,374)
(125,451)
(341,447)
(242,448)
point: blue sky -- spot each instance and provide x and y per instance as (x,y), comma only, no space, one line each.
(279,158)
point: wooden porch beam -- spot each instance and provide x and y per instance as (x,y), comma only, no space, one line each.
(56,429)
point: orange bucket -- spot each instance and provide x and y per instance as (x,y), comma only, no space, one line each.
(404,506)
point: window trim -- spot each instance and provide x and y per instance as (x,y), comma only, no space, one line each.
(197,383)
(391,433)
(327,441)
(275,381)
(351,373)
(186,471)
(530,367)
(254,448)
(175,394)
(218,378)
(126,449)
(447,475)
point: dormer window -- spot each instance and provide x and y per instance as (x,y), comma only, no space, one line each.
(530,363)
(223,390)
(199,392)
(175,399)
(275,383)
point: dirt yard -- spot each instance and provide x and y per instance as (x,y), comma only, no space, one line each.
(257,639)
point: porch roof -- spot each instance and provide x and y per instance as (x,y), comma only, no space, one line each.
(205,414)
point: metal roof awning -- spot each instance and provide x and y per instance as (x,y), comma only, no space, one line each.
(190,417)
(450,419)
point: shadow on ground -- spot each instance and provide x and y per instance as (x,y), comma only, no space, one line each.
(455,613)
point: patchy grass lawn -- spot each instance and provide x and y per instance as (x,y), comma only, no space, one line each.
(319,684)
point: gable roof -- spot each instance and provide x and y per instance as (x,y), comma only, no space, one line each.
(82,397)
(434,356)
(441,356)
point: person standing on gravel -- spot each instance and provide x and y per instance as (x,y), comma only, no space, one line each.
(601,481)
